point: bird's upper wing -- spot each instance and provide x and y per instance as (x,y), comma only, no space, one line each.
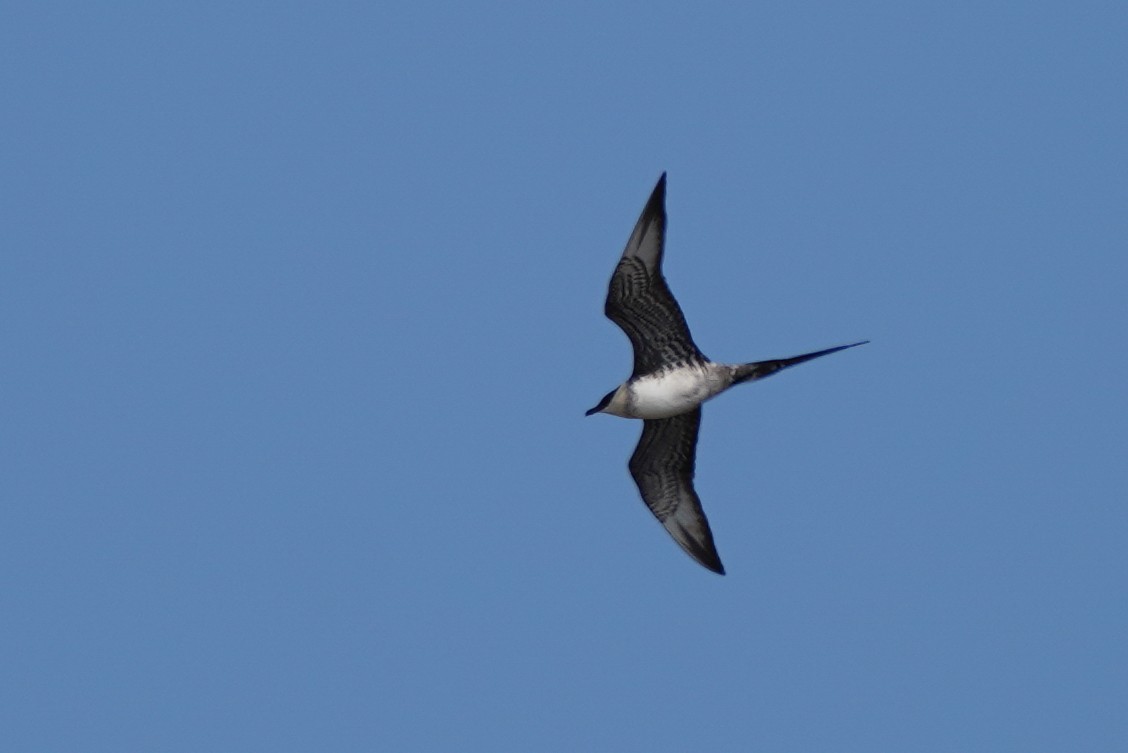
(662,465)
(640,302)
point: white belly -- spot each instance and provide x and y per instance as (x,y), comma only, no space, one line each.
(673,393)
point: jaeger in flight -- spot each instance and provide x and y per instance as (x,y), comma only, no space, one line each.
(671,379)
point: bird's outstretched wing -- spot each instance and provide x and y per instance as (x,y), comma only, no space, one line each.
(640,302)
(662,465)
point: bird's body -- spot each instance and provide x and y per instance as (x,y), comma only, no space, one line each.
(671,379)
(669,392)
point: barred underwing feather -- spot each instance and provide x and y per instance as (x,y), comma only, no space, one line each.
(663,466)
(640,301)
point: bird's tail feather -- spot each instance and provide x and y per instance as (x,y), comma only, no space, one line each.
(747,372)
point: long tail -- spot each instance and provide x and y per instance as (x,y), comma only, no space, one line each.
(747,372)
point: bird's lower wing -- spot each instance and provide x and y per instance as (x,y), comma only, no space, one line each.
(663,465)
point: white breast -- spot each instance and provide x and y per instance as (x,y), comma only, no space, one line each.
(672,393)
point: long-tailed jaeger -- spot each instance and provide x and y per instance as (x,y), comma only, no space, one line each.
(671,379)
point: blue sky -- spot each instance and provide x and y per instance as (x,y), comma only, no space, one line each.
(301,308)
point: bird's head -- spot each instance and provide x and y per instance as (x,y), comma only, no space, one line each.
(607,404)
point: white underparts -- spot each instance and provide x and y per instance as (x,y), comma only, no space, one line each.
(670,392)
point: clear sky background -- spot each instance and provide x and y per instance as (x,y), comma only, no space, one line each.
(301,308)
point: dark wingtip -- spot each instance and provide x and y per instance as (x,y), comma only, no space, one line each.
(657,200)
(706,554)
(708,559)
(703,551)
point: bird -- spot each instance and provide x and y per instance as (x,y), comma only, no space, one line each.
(670,381)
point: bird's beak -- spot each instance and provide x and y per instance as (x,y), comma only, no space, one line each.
(602,403)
